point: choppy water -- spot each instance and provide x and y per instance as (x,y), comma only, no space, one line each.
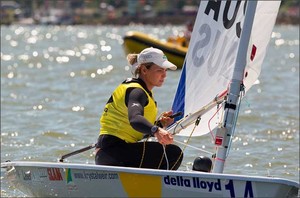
(56,80)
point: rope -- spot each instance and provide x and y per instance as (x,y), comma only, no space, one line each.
(211,133)
(161,159)
(193,147)
(185,145)
(196,124)
(164,147)
(143,154)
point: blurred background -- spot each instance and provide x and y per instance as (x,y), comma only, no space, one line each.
(118,12)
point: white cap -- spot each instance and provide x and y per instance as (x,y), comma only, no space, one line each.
(156,56)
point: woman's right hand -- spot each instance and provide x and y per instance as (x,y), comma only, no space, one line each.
(163,136)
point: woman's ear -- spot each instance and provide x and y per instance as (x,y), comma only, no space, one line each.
(144,70)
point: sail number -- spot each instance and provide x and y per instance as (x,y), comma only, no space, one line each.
(248,192)
(218,186)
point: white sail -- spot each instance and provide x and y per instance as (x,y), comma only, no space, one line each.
(212,53)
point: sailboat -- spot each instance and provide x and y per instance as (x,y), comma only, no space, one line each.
(226,51)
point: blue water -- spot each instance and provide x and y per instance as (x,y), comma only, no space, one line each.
(55,81)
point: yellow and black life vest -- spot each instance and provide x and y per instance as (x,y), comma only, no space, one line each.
(114,120)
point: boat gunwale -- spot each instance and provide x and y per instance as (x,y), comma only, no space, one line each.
(157,172)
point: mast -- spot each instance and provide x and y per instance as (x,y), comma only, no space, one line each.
(224,132)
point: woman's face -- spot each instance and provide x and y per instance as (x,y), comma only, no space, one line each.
(154,76)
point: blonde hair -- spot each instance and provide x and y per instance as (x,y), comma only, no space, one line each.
(132,59)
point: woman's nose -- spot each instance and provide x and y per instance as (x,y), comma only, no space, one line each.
(165,73)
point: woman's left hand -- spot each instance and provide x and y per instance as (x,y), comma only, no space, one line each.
(165,120)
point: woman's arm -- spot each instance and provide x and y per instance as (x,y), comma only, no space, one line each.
(136,100)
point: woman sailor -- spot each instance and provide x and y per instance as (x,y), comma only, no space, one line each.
(130,114)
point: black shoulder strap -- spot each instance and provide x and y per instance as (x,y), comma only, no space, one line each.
(139,81)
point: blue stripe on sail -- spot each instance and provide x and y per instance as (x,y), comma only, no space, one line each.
(178,103)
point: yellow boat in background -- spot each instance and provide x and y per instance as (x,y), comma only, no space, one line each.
(135,42)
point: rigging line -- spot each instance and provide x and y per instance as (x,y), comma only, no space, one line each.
(144,150)
(186,144)
(193,147)
(177,124)
(159,117)
(164,154)
(211,133)
(167,160)
(161,159)
(196,124)
(164,147)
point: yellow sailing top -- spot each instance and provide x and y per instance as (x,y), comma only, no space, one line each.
(114,120)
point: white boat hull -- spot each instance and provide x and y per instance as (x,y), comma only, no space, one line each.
(82,180)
